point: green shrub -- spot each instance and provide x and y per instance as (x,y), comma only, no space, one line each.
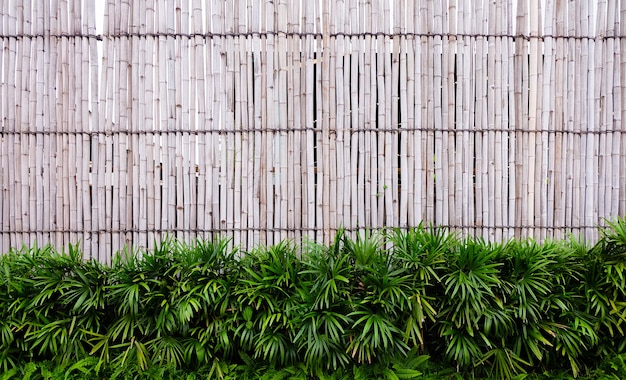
(413,303)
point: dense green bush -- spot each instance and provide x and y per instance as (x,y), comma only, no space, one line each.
(387,304)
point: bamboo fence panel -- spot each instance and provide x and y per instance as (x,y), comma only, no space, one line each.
(265,121)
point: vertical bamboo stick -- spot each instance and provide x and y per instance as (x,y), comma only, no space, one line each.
(241,104)
(199,120)
(230,162)
(548,124)
(4,139)
(309,175)
(351,197)
(267,23)
(456,108)
(247,141)
(447,104)
(429,81)
(150,124)
(406,124)
(343,97)
(394,140)
(568,118)
(257,184)
(81,168)
(171,123)
(52,125)
(464,112)
(50,62)
(559,113)
(295,120)
(28,109)
(580,119)
(449,23)
(437,69)
(293,140)
(138,224)
(614,118)
(239,94)
(619,139)
(99,151)
(4,227)
(383,115)
(352,142)
(481,189)
(592,110)
(186,111)
(535,157)
(16,173)
(420,181)
(30,209)
(163,220)
(508,122)
(329,120)
(357,201)
(281,89)
(494,120)
(522,139)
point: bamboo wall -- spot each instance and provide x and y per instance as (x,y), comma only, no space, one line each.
(269,120)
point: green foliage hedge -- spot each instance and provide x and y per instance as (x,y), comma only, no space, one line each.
(388,304)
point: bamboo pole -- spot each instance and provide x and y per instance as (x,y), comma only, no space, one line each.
(257,189)
(309,175)
(29,108)
(570,123)
(437,67)
(392,143)
(428,113)
(494,122)
(535,147)
(4,157)
(149,176)
(31,105)
(329,122)
(421,120)
(138,118)
(591,112)
(15,117)
(293,223)
(619,140)
(508,122)
(199,119)
(216,144)
(613,120)
(356,76)
(406,81)
(336,19)
(228,159)
(238,110)
(352,143)
(289,11)
(464,112)
(281,89)
(449,24)
(169,120)
(247,141)
(83,203)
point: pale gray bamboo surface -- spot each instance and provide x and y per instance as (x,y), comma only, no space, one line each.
(263,121)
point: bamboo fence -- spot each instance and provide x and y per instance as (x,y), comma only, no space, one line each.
(266,120)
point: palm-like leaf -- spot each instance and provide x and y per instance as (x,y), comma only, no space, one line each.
(374,337)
